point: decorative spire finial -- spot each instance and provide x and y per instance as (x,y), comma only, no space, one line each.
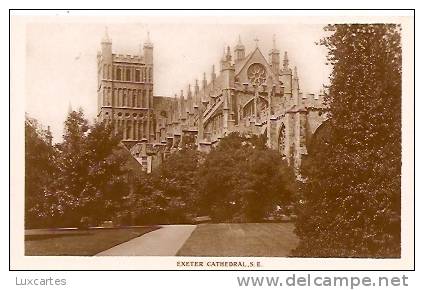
(148,42)
(286,60)
(274,46)
(256,40)
(106,38)
(213,73)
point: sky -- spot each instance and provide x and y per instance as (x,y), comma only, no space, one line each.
(61,64)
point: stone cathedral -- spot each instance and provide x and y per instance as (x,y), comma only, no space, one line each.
(248,93)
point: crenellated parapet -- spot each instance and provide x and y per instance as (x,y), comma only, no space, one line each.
(128,59)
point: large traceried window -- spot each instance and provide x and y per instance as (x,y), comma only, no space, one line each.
(303,131)
(282,141)
(256,74)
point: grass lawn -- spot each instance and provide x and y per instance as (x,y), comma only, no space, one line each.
(241,240)
(78,242)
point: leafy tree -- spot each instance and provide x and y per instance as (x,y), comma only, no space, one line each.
(243,180)
(40,170)
(92,179)
(107,178)
(73,164)
(240,180)
(178,176)
(169,194)
(351,204)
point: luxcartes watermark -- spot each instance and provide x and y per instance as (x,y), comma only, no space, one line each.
(40,281)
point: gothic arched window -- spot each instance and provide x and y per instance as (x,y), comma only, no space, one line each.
(129,131)
(140,129)
(125,99)
(118,74)
(128,75)
(137,75)
(282,140)
(134,104)
(109,97)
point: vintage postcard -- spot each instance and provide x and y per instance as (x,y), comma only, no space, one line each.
(212,140)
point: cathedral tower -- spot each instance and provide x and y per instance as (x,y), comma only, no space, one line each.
(125,91)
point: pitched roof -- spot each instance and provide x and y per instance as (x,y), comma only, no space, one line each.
(239,67)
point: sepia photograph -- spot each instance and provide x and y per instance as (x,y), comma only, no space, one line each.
(214,141)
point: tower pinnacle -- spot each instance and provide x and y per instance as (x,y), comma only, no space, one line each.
(213,73)
(239,51)
(196,86)
(285,61)
(148,43)
(204,81)
(257,41)
(274,57)
(106,38)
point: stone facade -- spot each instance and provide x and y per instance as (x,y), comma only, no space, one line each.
(249,94)
(125,92)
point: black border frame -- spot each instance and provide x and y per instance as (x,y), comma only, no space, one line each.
(211,270)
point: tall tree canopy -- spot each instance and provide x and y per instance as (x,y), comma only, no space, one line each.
(239,180)
(351,205)
(169,193)
(243,180)
(89,179)
(40,170)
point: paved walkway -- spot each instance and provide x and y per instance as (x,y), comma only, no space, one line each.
(165,241)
